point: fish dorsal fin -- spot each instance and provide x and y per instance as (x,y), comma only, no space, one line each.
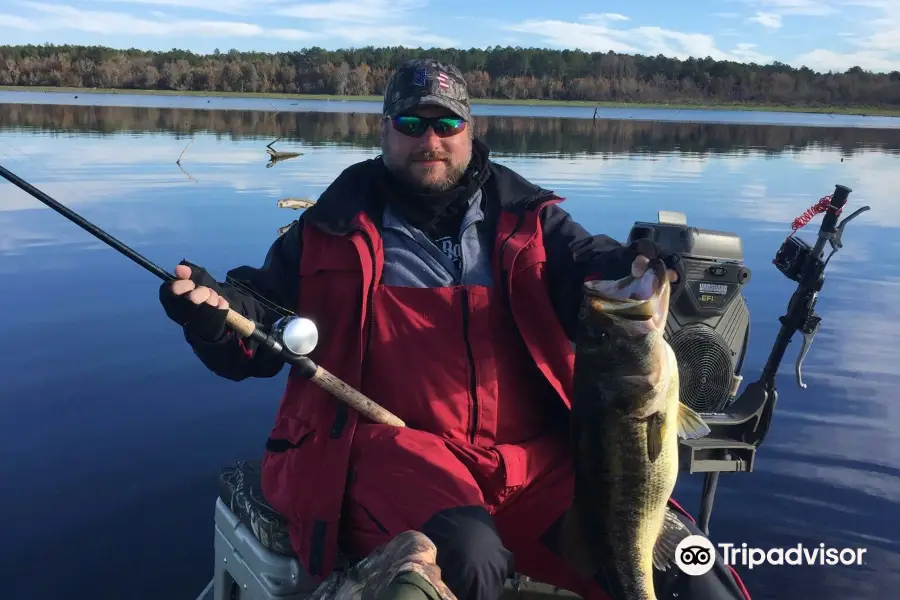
(673,531)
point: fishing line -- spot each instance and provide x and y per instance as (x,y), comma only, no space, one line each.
(290,338)
(44,173)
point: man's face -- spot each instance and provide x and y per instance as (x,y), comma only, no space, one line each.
(428,163)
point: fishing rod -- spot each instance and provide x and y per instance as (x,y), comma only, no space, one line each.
(292,337)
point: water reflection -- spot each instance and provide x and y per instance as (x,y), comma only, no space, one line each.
(504,134)
(828,472)
(585,111)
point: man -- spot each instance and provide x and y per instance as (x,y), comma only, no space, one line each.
(446,288)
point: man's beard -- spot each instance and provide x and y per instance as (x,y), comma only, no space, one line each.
(404,172)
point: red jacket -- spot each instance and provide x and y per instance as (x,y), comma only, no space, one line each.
(325,268)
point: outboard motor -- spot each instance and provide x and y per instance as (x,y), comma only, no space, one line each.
(709,324)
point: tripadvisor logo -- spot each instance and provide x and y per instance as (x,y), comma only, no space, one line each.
(696,555)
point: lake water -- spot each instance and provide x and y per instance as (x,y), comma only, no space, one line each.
(113,432)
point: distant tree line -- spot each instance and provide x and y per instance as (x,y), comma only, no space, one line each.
(495,72)
(504,135)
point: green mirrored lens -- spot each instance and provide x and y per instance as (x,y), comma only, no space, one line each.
(448,124)
(416,126)
(410,123)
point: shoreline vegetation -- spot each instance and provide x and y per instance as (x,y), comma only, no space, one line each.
(497,75)
(872,111)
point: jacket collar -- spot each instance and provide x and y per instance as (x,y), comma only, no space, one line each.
(352,194)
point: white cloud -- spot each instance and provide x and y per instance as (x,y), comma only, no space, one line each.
(358,22)
(291,34)
(605,17)
(829,60)
(389,35)
(220,6)
(564,34)
(354,22)
(877,45)
(63,17)
(359,11)
(601,37)
(869,29)
(15,22)
(808,8)
(771,20)
(368,22)
(747,53)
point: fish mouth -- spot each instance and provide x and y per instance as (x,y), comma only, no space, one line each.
(636,298)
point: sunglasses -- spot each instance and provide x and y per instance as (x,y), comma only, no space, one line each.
(414,126)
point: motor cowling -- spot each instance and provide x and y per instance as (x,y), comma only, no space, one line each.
(709,324)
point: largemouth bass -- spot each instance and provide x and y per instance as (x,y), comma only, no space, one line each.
(626,418)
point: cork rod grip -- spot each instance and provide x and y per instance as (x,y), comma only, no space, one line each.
(243,326)
(355,398)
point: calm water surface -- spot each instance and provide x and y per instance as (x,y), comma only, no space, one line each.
(113,433)
(574,112)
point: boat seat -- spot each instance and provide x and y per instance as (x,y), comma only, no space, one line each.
(240,488)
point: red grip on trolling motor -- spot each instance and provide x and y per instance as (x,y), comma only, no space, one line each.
(830,205)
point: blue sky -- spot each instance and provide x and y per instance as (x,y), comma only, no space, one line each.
(822,34)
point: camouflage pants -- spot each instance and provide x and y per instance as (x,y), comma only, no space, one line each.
(409,552)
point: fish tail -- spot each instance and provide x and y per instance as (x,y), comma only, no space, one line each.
(690,424)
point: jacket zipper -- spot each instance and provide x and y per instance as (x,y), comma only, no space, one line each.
(473,391)
(503,272)
(473,387)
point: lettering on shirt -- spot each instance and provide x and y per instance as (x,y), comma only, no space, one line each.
(451,249)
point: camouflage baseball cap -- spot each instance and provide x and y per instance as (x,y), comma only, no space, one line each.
(426,82)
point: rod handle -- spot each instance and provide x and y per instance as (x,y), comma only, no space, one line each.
(240,324)
(356,399)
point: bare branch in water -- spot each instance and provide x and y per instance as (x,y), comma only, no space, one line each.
(188,175)
(180,156)
(276,156)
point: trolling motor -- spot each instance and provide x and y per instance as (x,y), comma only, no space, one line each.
(709,327)
(291,337)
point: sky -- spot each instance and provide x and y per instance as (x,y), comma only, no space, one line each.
(821,34)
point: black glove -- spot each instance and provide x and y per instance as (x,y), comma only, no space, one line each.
(202,320)
(650,249)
